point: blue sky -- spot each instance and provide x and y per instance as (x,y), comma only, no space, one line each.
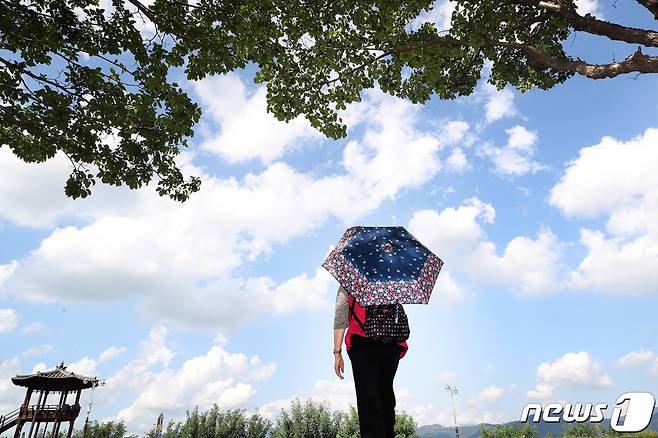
(543,207)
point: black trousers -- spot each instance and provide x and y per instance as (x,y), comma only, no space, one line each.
(374,365)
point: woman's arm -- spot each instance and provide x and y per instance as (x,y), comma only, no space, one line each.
(341,322)
(339,334)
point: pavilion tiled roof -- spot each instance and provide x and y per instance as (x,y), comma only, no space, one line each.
(59,379)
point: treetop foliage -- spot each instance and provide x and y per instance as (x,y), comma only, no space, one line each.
(93,80)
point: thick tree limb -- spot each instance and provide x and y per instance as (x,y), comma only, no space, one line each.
(651,5)
(638,62)
(595,26)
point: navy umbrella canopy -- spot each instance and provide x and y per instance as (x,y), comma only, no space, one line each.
(384,265)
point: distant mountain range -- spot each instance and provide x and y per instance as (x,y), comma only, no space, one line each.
(473,431)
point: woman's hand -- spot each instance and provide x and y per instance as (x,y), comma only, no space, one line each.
(339,365)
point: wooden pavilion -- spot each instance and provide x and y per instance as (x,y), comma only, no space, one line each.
(58,381)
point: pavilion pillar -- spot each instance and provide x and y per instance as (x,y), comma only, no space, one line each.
(34,417)
(62,402)
(28,395)
(39,411)
(53,433)
(70,431)
(77,403)
(22,413)
(19,426)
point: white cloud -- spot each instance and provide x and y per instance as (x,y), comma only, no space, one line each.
(500,104)
(457,160)
(220,339)
(541,392)
(85,366)
(630,176)
(301,292)
(521,139)
(635,358)
(88,366)
(528,265)
(32,194)
(69,261)
(8,320)
(217,376)
(7,271)
(572,369)
(490,394)
(448,290)
(617,179)
(453,132)
(515,158)
(111,353)
(153,353)
(179,260)
(10,397)
(33,327)
(639,358)
(375,162)
(456,235)
(615,266)
(453,231)
(248,131)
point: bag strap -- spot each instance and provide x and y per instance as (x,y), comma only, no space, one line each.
(358,321)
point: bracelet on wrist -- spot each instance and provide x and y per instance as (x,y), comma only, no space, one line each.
(337,351)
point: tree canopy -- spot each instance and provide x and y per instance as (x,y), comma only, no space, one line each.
(92,79)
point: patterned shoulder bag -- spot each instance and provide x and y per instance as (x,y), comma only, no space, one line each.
(385,323)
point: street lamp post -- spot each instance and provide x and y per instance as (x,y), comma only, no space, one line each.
(453,390)
(91,398)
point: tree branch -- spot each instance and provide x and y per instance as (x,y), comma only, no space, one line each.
(37,77)
(595,26)
(637,62)
(143,9)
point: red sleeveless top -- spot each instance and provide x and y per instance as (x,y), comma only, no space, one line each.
(355,328)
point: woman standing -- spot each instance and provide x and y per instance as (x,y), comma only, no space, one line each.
(374,365)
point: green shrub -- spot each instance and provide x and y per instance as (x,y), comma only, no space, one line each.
(308,420)
(509,431)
